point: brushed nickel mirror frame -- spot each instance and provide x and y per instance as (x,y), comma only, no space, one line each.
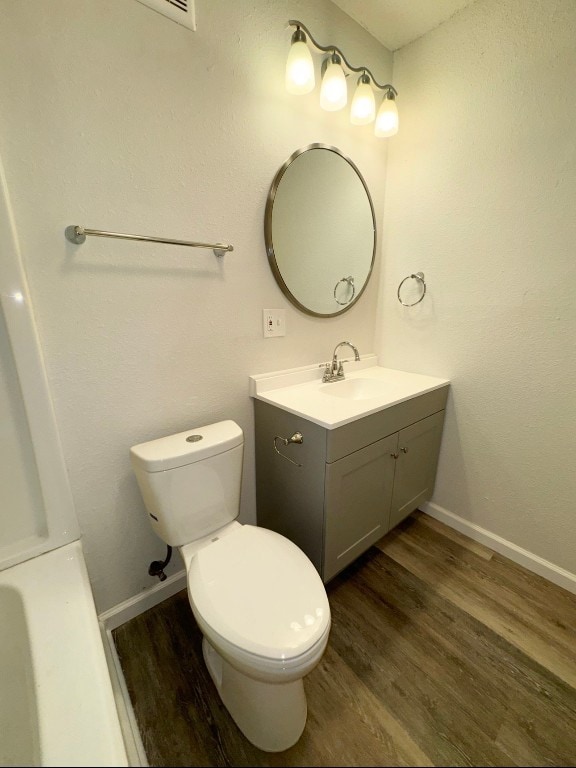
(268,234)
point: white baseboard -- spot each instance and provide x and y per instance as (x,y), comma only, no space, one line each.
(114,618)
(529,560)
(130,732)
(136,605)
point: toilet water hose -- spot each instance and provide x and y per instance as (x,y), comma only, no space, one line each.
(157,566)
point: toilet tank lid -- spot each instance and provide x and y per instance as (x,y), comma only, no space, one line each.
(186,447)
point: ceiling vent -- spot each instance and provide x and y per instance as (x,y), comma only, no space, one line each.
(181,11)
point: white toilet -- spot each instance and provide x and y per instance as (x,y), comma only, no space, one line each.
(258,600)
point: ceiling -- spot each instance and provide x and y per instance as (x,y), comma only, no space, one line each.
(397,22)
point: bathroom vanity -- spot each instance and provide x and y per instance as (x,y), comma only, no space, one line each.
(340,464)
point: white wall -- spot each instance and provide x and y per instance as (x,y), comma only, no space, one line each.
(481,196)
(114,117)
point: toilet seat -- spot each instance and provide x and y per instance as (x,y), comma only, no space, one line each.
(259,592)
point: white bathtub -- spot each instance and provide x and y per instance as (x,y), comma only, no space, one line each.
(57,706)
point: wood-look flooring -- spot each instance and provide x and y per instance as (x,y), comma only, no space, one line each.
(441,653)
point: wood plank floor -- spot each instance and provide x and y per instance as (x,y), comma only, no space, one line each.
(441,653)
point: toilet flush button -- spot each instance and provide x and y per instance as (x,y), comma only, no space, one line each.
(193,438)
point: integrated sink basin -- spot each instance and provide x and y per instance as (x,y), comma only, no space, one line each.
(356,389)
(366,388)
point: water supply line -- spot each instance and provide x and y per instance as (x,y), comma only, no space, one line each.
(157,566)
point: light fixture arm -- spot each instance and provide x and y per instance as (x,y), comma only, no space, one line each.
(333,49)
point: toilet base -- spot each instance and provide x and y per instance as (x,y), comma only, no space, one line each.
(272,716)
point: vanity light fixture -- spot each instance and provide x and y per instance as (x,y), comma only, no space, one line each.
(387,117)
(299,67)
(363,109)
(333,91)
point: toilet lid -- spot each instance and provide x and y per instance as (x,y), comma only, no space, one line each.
(260,592)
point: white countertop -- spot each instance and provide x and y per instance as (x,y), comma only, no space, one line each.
(301,391)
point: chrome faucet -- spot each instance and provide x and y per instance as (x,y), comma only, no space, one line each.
(334,370)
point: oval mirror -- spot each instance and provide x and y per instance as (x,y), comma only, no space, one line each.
(320,231)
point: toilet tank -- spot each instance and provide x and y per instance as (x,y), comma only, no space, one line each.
(190,482)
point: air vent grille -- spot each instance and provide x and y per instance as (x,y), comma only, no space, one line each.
(180,11)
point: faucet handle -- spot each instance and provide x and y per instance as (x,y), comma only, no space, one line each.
(327,371)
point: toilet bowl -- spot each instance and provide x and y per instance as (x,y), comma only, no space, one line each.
(259,602)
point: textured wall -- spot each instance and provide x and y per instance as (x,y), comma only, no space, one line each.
(481,197)
(117,118)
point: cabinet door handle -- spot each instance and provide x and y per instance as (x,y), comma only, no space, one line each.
(394,455)
(404,450)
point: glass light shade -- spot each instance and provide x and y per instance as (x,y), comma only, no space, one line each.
(299,69)
(363,106)
(387,118)
(333,93)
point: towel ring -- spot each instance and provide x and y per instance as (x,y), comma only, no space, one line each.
(417,276)
(296,438)
(350,281)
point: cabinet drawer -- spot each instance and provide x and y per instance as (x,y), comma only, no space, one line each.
(351,437)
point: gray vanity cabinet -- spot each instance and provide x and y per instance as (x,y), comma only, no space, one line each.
(342,489)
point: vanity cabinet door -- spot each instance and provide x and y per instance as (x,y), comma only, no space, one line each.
(358,493)
(418,449)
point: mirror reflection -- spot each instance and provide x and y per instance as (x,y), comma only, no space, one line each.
(320,230)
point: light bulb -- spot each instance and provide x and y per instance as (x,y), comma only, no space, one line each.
(363,106)
(333,93)
(299,66)
(387,117)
